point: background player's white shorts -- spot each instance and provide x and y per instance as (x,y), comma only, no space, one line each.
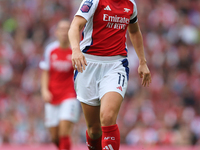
(68,110)
(102,75)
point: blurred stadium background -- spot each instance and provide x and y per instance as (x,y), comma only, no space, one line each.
(165,114)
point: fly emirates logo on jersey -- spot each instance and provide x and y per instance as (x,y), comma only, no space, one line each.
(116,22)
(61,65)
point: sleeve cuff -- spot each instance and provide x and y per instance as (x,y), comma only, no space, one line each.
(43,66)
(134,20)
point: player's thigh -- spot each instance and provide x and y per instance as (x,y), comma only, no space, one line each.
(112,91)
(110,106)
(65,128)
(92,115)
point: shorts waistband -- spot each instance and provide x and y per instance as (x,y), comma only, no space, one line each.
(96,58)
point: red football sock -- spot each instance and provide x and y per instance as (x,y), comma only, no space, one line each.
(64,143)
(110,137)
(93,144)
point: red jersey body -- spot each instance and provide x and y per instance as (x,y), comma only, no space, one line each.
(58,62)
(107,22)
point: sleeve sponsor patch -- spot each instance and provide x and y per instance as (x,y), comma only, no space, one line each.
(86,6)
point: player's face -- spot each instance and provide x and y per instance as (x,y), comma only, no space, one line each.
(62,31)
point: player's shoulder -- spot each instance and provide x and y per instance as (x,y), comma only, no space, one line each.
(134,6)
(51,46)
(90,0)
(132,1)
(90,3)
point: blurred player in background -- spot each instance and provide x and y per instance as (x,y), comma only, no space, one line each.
(57,88)
(102,67)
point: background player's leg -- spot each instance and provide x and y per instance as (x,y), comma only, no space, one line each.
(65,130)
(51,122)
(110,105)
(93,133)
(54,135)
(68,115)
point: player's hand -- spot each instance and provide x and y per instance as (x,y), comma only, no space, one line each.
(47,96)
(145,74)
(78,61)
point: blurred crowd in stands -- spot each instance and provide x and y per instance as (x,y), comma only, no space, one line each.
(168,112)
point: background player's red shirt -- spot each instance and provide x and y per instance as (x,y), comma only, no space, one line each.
(58,62)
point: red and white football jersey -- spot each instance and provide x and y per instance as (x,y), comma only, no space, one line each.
(58,62)
(107,22)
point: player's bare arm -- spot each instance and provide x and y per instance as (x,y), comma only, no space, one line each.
(46,94)
(137,41)
(78,59)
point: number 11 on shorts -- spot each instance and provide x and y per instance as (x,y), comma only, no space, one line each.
(119,81)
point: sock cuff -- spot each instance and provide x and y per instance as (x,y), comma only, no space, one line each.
(64,137)
(90,139)
(109,128)
(64,142)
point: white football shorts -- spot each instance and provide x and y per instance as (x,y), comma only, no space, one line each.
(68,110)
(102,75)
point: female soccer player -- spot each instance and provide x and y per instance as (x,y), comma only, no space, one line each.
(57,88)
(101,65)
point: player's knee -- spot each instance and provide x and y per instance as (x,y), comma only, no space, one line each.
(94,131)
(55,140)
(108,119)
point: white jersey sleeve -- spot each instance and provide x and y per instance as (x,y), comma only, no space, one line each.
(133,18)
(45,63)
(87,9)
